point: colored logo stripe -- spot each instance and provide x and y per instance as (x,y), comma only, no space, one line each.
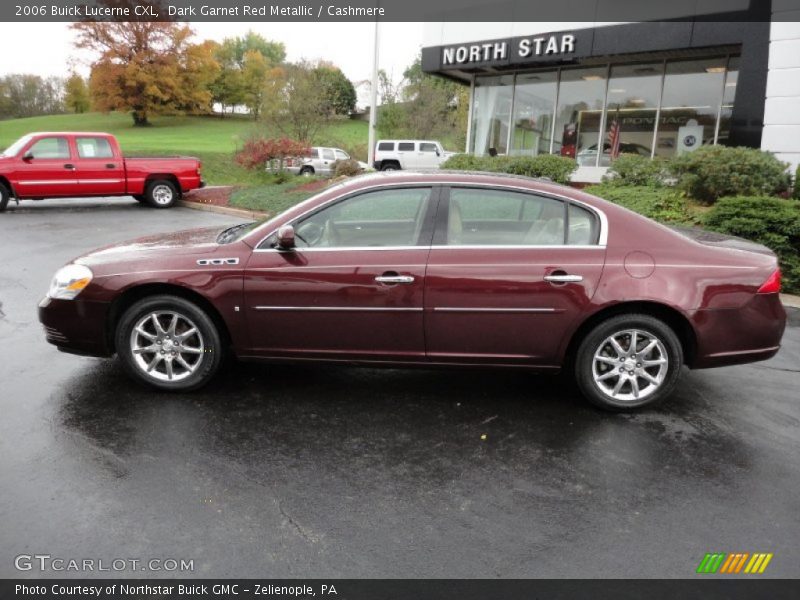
(721,562)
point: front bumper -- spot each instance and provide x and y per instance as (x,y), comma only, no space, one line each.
(76,326)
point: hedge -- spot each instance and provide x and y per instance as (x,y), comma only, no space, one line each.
(658,203)
(633,169)
(773,222)
(556,168)
(712,172)
(797,183)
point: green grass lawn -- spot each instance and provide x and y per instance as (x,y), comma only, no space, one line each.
(212,139)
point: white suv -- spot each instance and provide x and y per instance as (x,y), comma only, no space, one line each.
(391,155)
(319,162)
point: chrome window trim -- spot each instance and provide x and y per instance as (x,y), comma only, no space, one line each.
(602,240)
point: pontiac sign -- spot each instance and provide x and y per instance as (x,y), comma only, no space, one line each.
(516,50)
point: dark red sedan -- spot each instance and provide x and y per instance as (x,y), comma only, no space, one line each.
(430,269)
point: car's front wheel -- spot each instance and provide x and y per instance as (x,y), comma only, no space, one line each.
(628,361)
(5,196)
(169,343)
(307,171)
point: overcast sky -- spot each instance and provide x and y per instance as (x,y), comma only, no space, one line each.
(46,48)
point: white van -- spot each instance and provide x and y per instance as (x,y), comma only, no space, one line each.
(392,155)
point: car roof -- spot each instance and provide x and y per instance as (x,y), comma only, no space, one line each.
(75,133)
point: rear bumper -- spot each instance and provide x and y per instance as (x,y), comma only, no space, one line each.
(750,333)
(202,183)
(75,326)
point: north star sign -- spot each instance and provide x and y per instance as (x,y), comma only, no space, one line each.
(525,48)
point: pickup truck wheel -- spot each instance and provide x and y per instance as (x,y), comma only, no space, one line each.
(307,171)
(161,193)
(5,196)
(169,343)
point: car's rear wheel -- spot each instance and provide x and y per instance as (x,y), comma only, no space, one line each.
(307,171)
(390,167)
(161,193)
(169,343)
(5,196)
(628,362)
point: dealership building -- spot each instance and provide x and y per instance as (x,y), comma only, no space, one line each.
(592,90)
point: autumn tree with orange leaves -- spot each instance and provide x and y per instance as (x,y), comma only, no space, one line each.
(147,68)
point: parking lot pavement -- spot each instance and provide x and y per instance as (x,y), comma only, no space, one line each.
(333,472)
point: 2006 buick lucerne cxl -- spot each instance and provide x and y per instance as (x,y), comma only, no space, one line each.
(430,269)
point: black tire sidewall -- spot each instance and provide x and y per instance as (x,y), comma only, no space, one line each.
(149,193)
(585,356)
(390,167)
(307,171)
(5,197)
(211,338)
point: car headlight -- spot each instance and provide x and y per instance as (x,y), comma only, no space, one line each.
(69,281)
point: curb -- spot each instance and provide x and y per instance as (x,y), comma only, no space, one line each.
(225,210)
(789,300)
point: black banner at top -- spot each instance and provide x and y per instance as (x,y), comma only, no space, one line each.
(541,11)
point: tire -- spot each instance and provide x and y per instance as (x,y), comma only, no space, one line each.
(140,199)
(307,171)
(202,365)
(390,167)
(600,367)
(161,193)
(5,196)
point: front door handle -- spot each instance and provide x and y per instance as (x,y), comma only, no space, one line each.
(394,278)
(111,166)
(563,278)
(69,166)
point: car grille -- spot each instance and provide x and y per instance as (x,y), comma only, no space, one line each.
(54,335)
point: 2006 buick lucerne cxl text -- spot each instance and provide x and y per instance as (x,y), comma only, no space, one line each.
(430,269)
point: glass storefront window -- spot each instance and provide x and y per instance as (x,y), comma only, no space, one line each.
(534,98)
(580,107)
(689,107)
(728,96)
(491,114)
(634,93)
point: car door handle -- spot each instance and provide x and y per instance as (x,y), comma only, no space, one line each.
(389,278)
(111,166)
(563,278)
(69,166)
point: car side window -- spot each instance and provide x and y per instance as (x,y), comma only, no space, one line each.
(405,147)
(327,154)
(582,230)
(50,147)
(428,147)
(492,217)
(392,217)
(314,153)
(341,155)
(94,147)
(386,146)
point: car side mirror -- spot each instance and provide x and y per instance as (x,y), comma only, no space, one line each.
(286,238)
(438,153)
(28,155)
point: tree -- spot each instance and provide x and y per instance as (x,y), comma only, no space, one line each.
(147,67)
(254,79)
(76,94)
(340,95)
(26,95)
(299,105)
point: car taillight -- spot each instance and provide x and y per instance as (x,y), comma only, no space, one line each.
(772,285)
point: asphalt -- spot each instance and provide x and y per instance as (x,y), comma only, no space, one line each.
(335,472)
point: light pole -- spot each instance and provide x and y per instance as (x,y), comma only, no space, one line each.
(373,104)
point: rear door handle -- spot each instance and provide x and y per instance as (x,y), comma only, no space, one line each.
(563,278)
(387,278)
(111,166)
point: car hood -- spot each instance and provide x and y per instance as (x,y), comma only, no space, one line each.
(154,247)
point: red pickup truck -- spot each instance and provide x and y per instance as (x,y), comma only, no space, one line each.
(70,165)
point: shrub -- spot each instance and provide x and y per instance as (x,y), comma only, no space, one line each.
(556,168)
(259,152)
(633,169)
(658,203)
(715,171)
(797,183)
(346,168)
(773,222)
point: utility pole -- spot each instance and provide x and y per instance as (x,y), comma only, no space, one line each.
(373,105)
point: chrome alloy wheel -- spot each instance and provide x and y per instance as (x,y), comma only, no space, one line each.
(167,346)
(162,194)
(630,365)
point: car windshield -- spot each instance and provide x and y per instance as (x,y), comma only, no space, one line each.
(14,148)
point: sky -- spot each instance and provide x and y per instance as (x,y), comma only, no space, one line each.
(46,48)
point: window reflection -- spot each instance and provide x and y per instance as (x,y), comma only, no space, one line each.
(534,98)
(580,106)
(491,114)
